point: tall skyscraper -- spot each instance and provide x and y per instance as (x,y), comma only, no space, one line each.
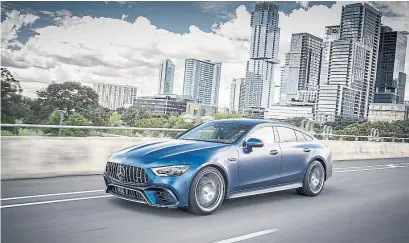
(332,33)
(264,42)
(166,76)
(235,88)
(390,75)
(202,81)
(301,73)
(350,85)
(114,96)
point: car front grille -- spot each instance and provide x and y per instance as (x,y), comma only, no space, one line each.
(126,173)
(126,193)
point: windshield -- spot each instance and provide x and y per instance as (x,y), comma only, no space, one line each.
(216,132)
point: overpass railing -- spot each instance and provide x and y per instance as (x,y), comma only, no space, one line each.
(104,131)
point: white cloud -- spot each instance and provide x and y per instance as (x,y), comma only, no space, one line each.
(12,24)
(124,16)
(236,29)
(109,50)
(113,51)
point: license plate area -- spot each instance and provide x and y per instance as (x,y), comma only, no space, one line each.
(126,193)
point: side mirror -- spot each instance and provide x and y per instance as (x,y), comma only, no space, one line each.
(254,143)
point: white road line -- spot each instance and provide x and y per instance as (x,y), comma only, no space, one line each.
(369,169)
(53,201)
(248,236)
(49,195)
(371,166)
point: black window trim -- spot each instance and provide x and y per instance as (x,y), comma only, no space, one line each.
(257,127)
(298,130)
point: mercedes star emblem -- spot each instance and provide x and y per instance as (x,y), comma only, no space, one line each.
(121,173)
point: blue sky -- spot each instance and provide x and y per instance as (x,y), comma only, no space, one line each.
(124,42)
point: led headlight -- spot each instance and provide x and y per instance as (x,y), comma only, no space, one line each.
(173,170)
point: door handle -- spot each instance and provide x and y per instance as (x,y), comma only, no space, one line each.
(307,150)
(273,152)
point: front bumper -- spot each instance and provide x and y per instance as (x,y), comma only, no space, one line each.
(159,192)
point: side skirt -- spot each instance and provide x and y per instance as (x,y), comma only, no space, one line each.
(265,190)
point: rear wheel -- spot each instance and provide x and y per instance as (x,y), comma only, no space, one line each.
(314,180)
(207,191)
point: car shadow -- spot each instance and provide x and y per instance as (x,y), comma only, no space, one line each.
(240,204)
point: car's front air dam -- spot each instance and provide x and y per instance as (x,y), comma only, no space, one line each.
(154,195)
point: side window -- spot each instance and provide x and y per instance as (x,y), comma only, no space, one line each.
(308,137)
(265,134)
(300,136)
(286,135)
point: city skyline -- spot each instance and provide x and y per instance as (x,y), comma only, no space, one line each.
(350,87)
(63,53)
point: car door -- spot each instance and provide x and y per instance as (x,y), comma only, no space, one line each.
(296,154)
(260,167)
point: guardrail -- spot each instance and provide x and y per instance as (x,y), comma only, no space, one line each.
(169,132)
(96,130)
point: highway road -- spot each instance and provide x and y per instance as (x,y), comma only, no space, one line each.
(365,201)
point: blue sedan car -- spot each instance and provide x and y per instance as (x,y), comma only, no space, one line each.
(219,160)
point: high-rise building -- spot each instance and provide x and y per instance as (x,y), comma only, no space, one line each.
(331,33)
(242,96)
(114,96)
(235,88)
(265,35)
(350,86)
(390,76)
(163,104)
(301,73)
(166,76)
(202,81)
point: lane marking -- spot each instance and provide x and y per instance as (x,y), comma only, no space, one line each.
(248,236)
(369,169)
(371,166)
(53,201)
(49,195)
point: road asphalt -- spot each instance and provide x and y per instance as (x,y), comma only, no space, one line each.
(364,201)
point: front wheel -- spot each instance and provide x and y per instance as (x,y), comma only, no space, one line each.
(207,191)
(314,180)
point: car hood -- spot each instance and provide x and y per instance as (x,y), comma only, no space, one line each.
(175,149)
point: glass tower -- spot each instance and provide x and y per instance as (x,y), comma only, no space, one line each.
(352,65)
(390,75)
(301,73)
(166,76)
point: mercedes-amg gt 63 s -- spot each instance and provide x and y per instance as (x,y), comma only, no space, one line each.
(218,160)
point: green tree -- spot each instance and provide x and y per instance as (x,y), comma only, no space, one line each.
(220,116)
(115,120)
(69,97)
(53,119)
(10,97)
(132,114)
(98,116)
(34,112)
(76,119)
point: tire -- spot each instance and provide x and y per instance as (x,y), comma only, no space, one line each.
(314,180)
(207,191)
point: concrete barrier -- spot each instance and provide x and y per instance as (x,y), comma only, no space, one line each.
(36,157)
